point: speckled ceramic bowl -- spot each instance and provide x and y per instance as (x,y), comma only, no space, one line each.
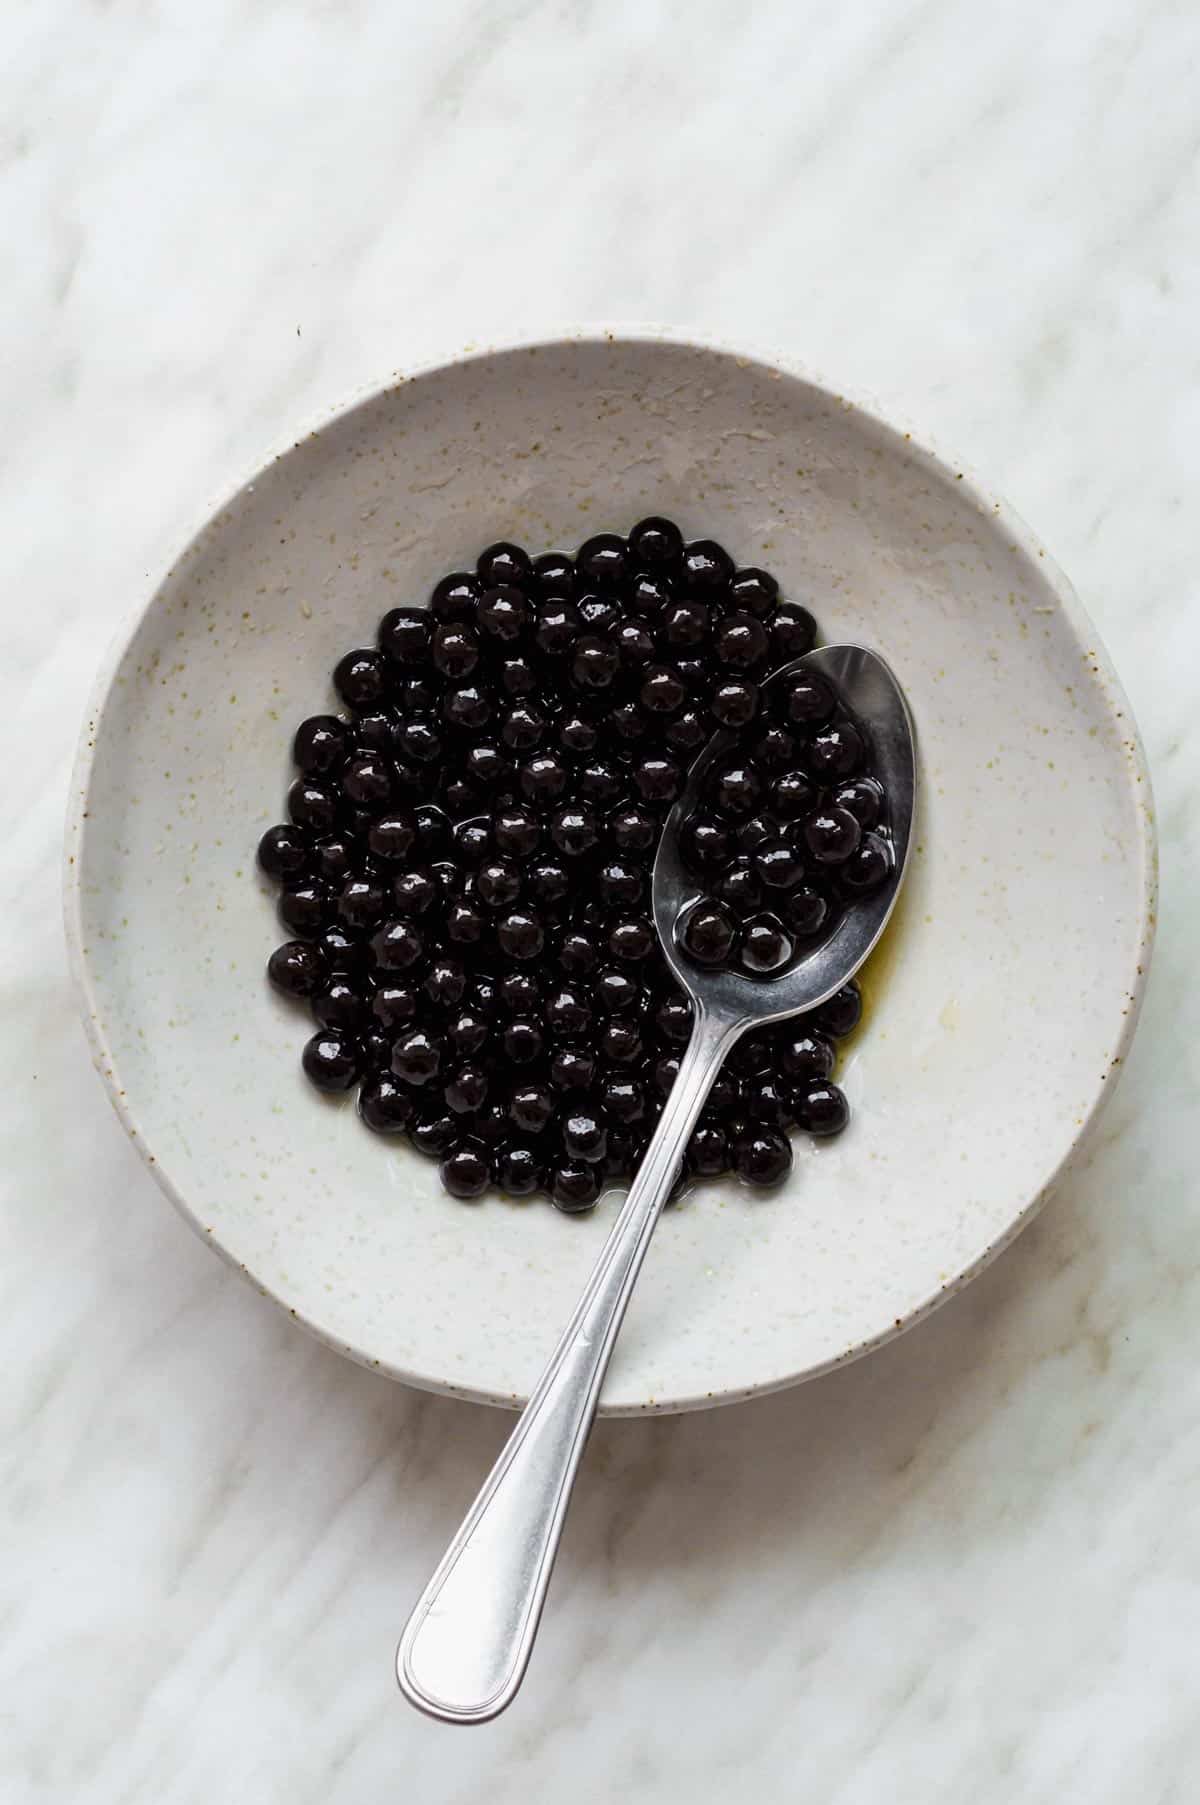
(999,1006)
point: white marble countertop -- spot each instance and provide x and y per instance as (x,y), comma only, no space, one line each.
(965,1569)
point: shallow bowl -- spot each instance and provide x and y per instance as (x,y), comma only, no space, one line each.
(999,1006)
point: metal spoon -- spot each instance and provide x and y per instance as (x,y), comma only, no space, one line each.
(466,1646)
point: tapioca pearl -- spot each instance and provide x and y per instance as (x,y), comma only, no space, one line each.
(819,1107)
(405,636)
(688,732)
(707,567)
(417,1056)
(734,703)
(632,940)
(685,624)
(604,559)
(709,933)
(622,1042)
(708,1150)
(556,628)
(577,733)
(489,768)
(863,797)
(867,868)
(656,544)
(766,946)
(577,954)
(298,968)
(518,1170)
(762,1156)
(662,691)
(520,935)
(542,778)
(320,745)
(584,1134)
(384,1104)
(502,616)
(549,882)
(468,706)
(455,651)
(553,575)
(620,883)
(706,843)
(433,1130)
(836,752)
(504,563)
(395,1004)
(616,993)
(600,782)
(468,1032)
(455,597)
(465,923)
(633,829)
(305,908)
(779,866)
(498,883)
(831,835)
(741,643)
(368,780)
(804,701)
(841,1014)
(574,1187)
(740,886)
(335,856)
(532,1107)
(342,1004)
(332,1060)
(518,676)
(754,590)
(658,779)
(466,1090)
(807,910)
(793,632)
(734,788)
(361,678)
(800,1054)
(569,1011)
(572,1068)
(757,830)
(636,645)
(624,1100)
(672,1017)
(398,945)
(516,832)
(594,663)
(284,852)
(472,841)
(445,983)
(466,1170)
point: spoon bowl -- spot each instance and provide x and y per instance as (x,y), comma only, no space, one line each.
(871,692)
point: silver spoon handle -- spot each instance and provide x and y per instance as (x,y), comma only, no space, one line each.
(465,1648)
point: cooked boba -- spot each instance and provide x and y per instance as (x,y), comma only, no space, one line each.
(464,872)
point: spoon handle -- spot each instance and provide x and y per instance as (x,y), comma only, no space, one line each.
(465,1648)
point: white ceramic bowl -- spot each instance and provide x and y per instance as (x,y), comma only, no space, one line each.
(999,1007)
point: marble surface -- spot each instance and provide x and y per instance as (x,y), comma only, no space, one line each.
(967,1568)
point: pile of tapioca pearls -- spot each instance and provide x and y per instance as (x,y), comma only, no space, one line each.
(465,868)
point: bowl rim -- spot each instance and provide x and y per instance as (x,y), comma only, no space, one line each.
(923,447)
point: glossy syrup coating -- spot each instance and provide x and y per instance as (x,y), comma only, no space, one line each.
(791,830)
(465,871)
